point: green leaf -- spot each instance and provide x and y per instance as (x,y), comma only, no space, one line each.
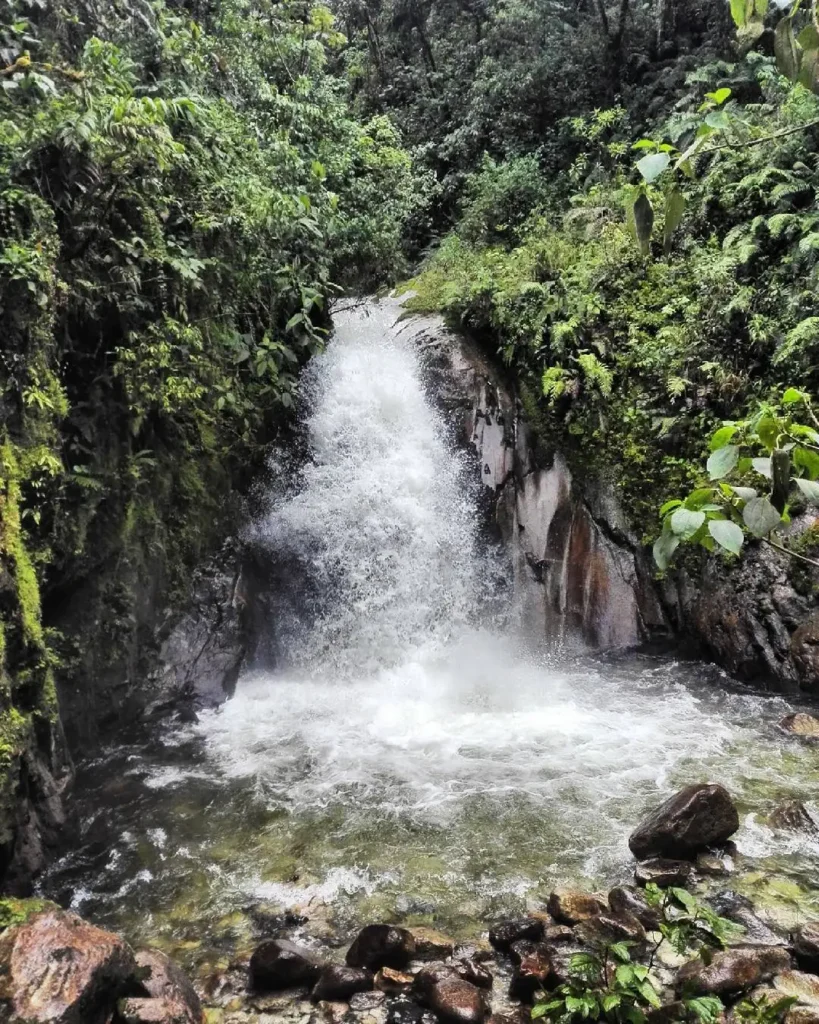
(664,548)
(761,517)
(768,431)
(669,505)
(718,119)
(763,467)
(707,1009)
(653,165)
(645,144)
(674,210)
(792,396)
(739,12)
(727,534)
(746,493)
(624,974)
(723,436)
(808,460)
(643,222)
(539,1011)
(646,990)
(787,56)
(722,461)
(685,523)
(701,496)
(611,1000)
(810,488)
(719,96)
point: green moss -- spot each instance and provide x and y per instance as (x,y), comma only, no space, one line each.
(15,911)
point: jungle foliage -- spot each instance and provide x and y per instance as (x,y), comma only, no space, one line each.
(183,190)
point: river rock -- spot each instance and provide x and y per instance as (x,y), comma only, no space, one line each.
(604,929)
(277,964)
(626,900)
(692,820)
(476,974)
(793,816)
(167,983)
(533,969)
(59,969)
(451,999)
(381,945)
(136,1010)
(568,906)
(806,946)
(662,872)
(739,909)
(733,970)
(338,983)
(391,981)
(798,985)
(431,944)
(802,1015)
(804,726)
(503,935)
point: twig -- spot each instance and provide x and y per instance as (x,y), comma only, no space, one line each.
(788,551)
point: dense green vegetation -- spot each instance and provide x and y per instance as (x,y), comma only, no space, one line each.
(647,266)
(182,192)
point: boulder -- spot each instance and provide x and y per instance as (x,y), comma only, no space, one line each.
(560,957)
(801,725)
(392,981)
(802,1015)
(137,1010)
(558,933)
(168,983)
(740,910)
(568,906)
(381,945)
(59,969)
(626,900)
(277,964)
(476,974)
(338,983)
(690,821)
(806,946)
(793,816)
(797,985)
(533,969)
(662,872)
(431,944)
(733,970)
(451,999)
(503,935)
(604,929)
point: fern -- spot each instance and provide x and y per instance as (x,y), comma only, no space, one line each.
(801,337)
(595,374)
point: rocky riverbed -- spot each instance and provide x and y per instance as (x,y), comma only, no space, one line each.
(56,968)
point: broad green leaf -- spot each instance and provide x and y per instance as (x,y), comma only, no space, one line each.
(653,165)
(685,523)
(643,222)
(611,1000)
(787,56)
(669,505)
(768,431)
(674,210)
(723,436)
(647,992)
(792,396)
(746,493)
(739,12)
(718,119)
(761,517)
(539,1011)
(727,534)
(664,548)
(762,466)
(809,68)
(701,496)
(808,460)
(722,461)
(810,488)
(644,144)
(719,96)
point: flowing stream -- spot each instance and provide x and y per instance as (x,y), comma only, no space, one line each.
(414,755)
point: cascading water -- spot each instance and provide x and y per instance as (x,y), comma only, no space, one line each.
(412,752)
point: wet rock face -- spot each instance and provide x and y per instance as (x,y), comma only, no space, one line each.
(381,945)
(56,968)
(155,1011)
(338,983)
(740,910)
(733,971)
(534,967)
(806,946)
(279,964)
(169,990)
(605,929)
(693,819)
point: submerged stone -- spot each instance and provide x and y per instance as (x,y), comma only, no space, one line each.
(733,970)
(338,983)
(793,816)
(475,973)
(739,909)
(59,969)
(278,964)
(431,944)
(804,726)
(381,945)
(690,821)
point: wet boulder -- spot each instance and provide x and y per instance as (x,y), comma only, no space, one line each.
(338,983)
(806,946)
(392,981)
(733,970)
(59,969)
(448,996)
(169,991)
(505,934)
(690,821)
(739,909)
(476,974)
(662,872)
(801,725)
(793,816)
(278,964)
(381,945)
(431,944)
(605,929)
(532,971)
(626,900)
(568,906)
(802,987)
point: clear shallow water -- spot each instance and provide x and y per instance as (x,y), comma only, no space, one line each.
(412,756)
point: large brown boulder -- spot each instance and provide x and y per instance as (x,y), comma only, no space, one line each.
(453,1000)
(733,970)
(570,906)
(338,983)
(691,820)
(58,969)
